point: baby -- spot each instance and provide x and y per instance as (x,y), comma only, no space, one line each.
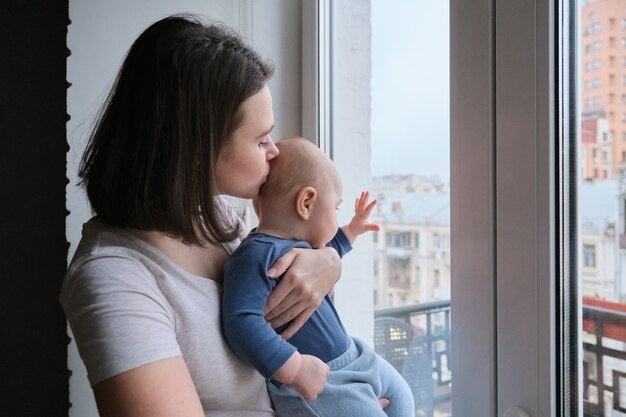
(321,370)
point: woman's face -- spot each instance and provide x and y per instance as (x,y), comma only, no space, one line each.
(243,165)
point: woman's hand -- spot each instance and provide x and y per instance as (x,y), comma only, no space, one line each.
(310,275)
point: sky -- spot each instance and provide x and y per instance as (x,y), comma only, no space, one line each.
(410,88)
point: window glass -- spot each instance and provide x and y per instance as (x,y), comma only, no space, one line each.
(411,180)
(602,209)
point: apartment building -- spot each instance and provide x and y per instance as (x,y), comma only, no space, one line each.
(412,248)
(603,86)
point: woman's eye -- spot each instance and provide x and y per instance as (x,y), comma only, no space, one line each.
(264,144)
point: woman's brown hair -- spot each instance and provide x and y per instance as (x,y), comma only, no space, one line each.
(177,99)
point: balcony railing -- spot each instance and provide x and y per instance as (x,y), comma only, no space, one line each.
(604,365)
(604,361)
(432,322)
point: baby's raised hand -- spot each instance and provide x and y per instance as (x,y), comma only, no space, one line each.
(360,222)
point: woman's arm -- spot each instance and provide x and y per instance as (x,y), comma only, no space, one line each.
(310,275)
(159,389)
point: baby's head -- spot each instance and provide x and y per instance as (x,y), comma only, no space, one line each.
(301,194)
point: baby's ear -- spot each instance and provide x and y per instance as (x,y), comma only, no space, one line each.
(305,200)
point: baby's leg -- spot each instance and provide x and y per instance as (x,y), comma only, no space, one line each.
(396,390)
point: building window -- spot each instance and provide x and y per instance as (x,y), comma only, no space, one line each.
(402,239)
(624,136)
(436,241)
(416,240)
(597,101)
(597,83)
(589,256)
(597,64)
(436,278)
(593,16)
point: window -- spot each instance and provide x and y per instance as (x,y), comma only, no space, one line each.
(597,64)
(410,178)
(597,101)
(589,256)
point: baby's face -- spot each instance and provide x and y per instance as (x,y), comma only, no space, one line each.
(323,223)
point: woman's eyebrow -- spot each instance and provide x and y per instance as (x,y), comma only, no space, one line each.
(267,132)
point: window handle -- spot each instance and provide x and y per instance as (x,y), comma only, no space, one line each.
(515,412)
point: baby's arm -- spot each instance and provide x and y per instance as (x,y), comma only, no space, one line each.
(305,373)
(359,223)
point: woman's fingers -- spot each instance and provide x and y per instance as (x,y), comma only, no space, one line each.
(297,323)
(288,299)
(282,264)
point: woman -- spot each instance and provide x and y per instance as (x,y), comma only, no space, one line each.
(188,119)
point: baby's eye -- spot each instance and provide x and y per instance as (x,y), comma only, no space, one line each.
(264,144)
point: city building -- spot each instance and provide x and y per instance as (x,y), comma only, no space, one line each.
(603,84)
(600,253)
(412,248)
(596,150)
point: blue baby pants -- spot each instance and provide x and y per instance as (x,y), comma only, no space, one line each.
(358,378)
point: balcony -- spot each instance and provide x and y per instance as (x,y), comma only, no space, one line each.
(604,364)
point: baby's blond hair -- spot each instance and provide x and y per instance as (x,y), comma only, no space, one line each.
(299,164)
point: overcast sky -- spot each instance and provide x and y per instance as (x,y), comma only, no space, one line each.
(410,87)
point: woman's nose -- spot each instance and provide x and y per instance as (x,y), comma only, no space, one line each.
(273,151)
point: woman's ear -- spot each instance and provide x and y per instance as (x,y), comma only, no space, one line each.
(305,199)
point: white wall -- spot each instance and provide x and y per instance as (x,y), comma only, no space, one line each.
(99,36)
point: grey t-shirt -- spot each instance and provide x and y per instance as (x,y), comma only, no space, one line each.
(128,305)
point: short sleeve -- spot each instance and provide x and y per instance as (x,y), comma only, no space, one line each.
(118,316)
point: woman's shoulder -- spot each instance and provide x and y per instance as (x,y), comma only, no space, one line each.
(107,260)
